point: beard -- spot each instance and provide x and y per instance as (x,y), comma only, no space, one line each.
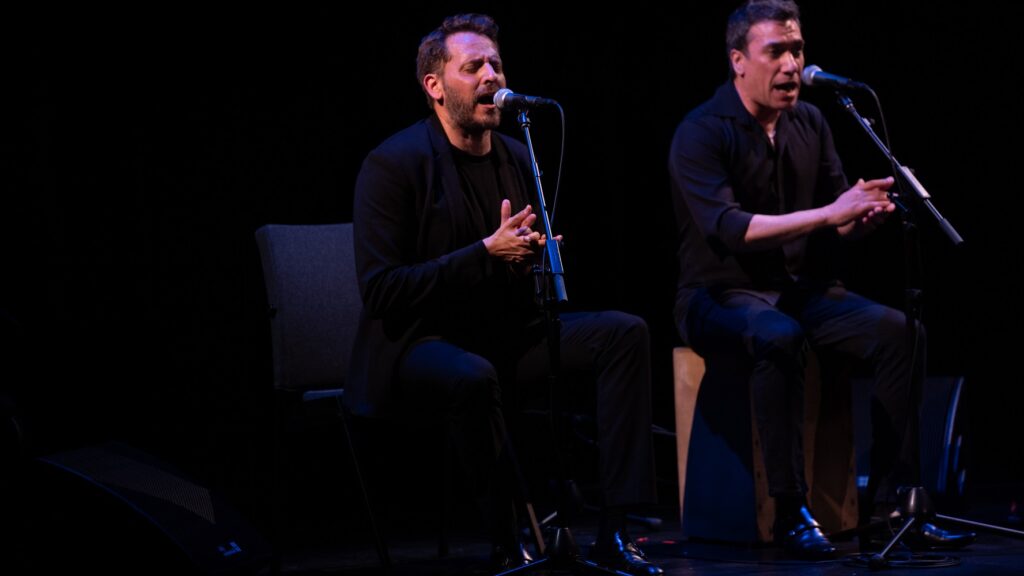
(461,110)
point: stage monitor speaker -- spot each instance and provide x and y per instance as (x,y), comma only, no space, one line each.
(114,509)
(943,432)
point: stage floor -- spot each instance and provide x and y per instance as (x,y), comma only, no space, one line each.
(416,555)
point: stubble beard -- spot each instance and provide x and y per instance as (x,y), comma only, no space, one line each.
(462,114)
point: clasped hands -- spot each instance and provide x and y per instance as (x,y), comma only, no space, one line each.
(865,205)
(515,241)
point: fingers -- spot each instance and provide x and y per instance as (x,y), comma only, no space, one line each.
(542,240)
(877,215)
(880,184)
(526,224)
(506,211)
(520,217)
(880,206)
(532,237)
(874,194)
(515,240)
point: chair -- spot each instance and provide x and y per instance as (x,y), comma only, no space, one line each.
(314,305)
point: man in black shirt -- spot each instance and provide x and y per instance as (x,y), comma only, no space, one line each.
(444,243)
(761,200)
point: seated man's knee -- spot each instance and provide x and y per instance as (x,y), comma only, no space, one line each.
(627,328)
(779,338)
(474,383)
(893,328)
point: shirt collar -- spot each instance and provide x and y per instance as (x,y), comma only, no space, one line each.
(727,103)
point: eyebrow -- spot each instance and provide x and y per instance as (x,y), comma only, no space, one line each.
(478,61)
(797,44)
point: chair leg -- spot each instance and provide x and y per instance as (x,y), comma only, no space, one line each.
(524,499)
(446,498)
(382,549)
(276,491)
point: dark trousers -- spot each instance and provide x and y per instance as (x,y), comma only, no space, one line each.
(775,339)
(470,392)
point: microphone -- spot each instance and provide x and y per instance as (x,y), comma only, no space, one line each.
(506,99)
(815,76)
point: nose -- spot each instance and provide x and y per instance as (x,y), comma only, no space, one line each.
(487,73)
(790,64)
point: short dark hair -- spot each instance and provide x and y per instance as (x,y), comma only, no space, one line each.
(752,12)
(433,52)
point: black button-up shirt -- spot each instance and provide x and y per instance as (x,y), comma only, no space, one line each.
(725,169)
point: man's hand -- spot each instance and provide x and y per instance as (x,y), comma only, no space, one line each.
(866,203)
(515,241)
(867,206)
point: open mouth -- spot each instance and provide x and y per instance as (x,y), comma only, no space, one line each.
(787,86)
(486,99)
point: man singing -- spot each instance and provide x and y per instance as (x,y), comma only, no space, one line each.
(444,242)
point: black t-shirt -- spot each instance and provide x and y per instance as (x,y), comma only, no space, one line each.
(491,320)
(482,189)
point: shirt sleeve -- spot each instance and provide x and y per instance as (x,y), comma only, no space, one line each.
(699,168)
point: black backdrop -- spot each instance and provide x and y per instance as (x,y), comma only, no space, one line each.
(146,145)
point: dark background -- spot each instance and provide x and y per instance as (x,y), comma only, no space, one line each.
(146,145)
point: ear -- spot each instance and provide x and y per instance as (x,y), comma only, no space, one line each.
(432,84)
(738,60)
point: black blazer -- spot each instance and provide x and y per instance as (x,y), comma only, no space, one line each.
(408,215)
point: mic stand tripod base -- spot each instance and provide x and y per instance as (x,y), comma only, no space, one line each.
(884,559)
(562,553)
(915,508)
(879,561)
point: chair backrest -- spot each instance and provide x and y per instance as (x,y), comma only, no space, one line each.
(309,271)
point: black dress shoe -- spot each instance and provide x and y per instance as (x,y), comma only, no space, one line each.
(619,552)
(801,535)
(508,557)
(931,537)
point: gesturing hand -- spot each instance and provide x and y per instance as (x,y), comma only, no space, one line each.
(515,240)
(866,203)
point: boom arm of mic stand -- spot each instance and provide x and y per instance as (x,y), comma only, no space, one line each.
(902,171)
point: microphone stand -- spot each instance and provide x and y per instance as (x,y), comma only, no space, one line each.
(915,505)
(561,552)
(904,173)
(912,295)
